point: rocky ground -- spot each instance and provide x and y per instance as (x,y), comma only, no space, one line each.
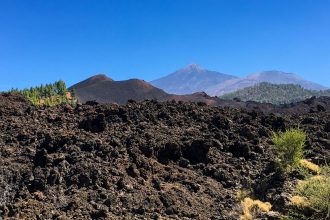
(148,160)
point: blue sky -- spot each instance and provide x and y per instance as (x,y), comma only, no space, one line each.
(45,40)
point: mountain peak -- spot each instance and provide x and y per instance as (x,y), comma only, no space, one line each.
(190,79)
(192,67)
(100,77)
(91,81)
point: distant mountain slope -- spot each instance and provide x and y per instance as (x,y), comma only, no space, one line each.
(190,79)
(105,90)
(274,77)
(275,93)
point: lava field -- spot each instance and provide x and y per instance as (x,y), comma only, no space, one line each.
(147,160)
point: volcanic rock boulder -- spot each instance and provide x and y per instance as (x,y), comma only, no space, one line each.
(197,151)
(170,151)
(94,124)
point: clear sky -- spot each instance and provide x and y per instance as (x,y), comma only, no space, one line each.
(45,40)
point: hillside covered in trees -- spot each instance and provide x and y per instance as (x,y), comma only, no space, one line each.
(275,93)
(49,94)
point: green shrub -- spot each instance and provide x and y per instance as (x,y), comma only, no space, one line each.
(289,146)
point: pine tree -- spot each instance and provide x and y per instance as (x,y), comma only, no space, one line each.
(60,87)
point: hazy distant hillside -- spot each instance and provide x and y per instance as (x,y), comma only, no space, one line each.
(274,77)
(190,79)
(275,93)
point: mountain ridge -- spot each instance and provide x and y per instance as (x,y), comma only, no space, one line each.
(273,76)
(103,89)
(190,83)
(193,78)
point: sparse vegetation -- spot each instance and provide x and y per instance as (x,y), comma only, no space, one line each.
(289,146)
(314,193)
(49,94)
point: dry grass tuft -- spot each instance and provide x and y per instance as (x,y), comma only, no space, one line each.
(310,166)
(242,194)
(251,207)
(299,201)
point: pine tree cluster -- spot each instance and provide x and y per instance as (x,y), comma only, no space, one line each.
(49,94)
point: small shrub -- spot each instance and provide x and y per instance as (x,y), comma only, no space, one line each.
(289,146)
